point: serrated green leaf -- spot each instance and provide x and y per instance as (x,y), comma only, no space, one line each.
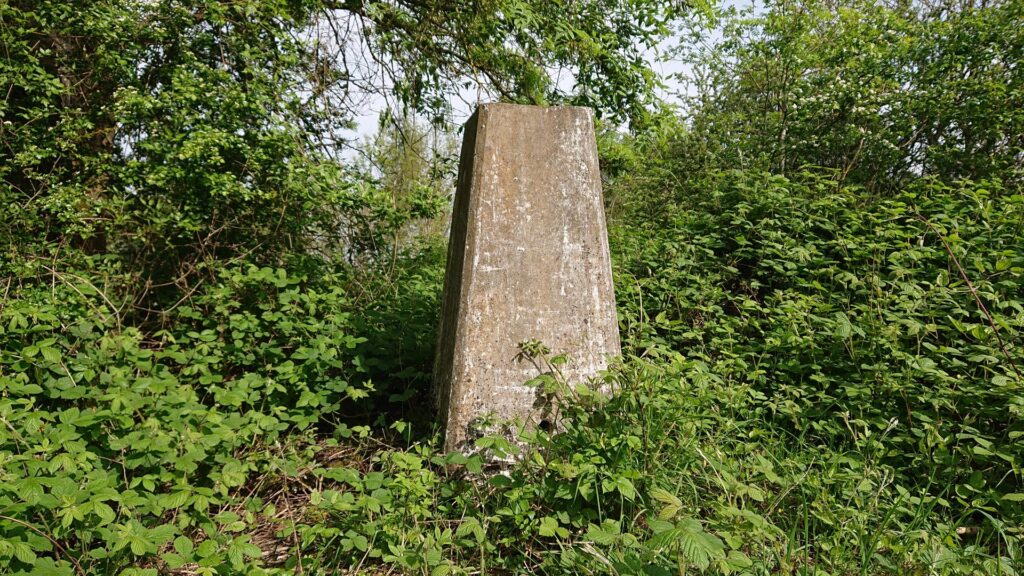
(625,487)
(184,546)
(174,561)
(23,552)
(105,512)
(600,536)
(666,497)
(548,526)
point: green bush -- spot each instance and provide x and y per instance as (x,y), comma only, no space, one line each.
(809,387)
(116,439)
(216,339)
(852,325)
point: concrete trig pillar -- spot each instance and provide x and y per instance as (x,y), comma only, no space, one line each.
(528,259)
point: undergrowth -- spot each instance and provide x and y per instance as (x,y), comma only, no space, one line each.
(217,331)
(809,386)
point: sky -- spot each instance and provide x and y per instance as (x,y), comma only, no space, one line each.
(463,103)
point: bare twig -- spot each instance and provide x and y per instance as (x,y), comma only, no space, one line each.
(114,309)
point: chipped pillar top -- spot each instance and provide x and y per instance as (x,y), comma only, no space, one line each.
(527,259)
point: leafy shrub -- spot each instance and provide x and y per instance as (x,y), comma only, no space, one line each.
(113,439)
(201,306)
(850,321)
(777,331)
(880,92)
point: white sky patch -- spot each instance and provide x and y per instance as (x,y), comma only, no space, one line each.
(462,104)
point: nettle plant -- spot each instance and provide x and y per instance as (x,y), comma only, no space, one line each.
(881,332)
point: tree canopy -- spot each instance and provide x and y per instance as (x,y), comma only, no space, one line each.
(168,131)
(217,326)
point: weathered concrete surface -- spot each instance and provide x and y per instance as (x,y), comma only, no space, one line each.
(528,259)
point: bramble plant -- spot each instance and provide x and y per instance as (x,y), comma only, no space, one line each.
(216,334)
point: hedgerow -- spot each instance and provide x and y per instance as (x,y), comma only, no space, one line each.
(809,386)
(216,332)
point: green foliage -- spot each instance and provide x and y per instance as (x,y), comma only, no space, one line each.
(113,439)
(216,338)
(512,44)
(156,131)
(399,316)
(880,92)
(175,136)
(195,290)
(846,323)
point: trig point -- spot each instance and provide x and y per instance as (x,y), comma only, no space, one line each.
(527,260)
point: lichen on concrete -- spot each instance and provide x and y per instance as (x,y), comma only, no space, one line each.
(528,259)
